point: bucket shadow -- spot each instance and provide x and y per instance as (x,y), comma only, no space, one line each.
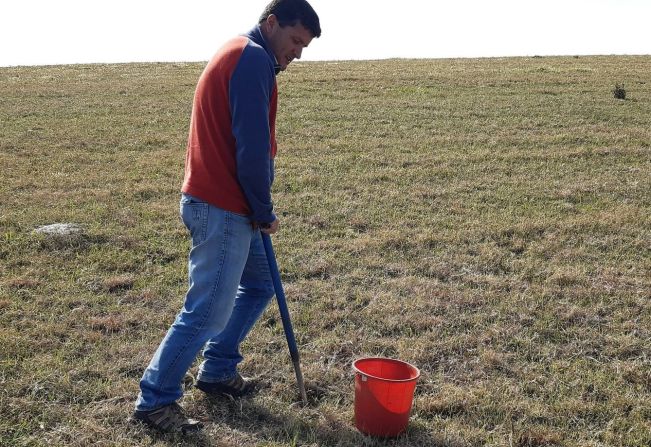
(248,416)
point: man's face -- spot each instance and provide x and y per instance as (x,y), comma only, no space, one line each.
(287,43)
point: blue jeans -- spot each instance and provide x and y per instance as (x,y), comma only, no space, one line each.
(229,288)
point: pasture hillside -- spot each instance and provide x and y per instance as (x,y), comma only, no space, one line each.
(488,220)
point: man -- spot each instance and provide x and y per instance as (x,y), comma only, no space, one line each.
(226,202)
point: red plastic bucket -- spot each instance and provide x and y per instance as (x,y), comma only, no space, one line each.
(384,392)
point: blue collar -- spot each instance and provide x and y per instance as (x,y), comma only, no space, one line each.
(255,34)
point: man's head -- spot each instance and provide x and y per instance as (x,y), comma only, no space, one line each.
(289,26)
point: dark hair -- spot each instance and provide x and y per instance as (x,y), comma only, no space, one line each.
(291,12)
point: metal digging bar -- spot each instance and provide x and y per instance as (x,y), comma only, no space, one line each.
(284,313)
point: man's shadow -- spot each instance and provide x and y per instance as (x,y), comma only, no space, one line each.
(245,415)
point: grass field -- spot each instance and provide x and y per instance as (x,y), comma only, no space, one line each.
(486,220)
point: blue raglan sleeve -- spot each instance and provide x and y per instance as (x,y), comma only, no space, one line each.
(250,91)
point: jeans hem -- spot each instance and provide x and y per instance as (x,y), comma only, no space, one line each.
(213,380)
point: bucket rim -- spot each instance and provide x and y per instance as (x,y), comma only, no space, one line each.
(357,370)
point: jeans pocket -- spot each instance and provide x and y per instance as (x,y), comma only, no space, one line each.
(195,217)
(187,198)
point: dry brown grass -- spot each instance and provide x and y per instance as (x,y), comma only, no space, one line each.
(487,220)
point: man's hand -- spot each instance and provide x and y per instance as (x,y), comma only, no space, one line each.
(272,228)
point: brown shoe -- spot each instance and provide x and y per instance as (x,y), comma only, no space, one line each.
(238,386)
(169,418)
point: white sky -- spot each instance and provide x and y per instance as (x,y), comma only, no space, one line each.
(40,32)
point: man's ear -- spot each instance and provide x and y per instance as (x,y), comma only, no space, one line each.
(272,22)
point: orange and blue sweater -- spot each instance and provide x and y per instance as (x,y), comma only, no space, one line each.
(232,145)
